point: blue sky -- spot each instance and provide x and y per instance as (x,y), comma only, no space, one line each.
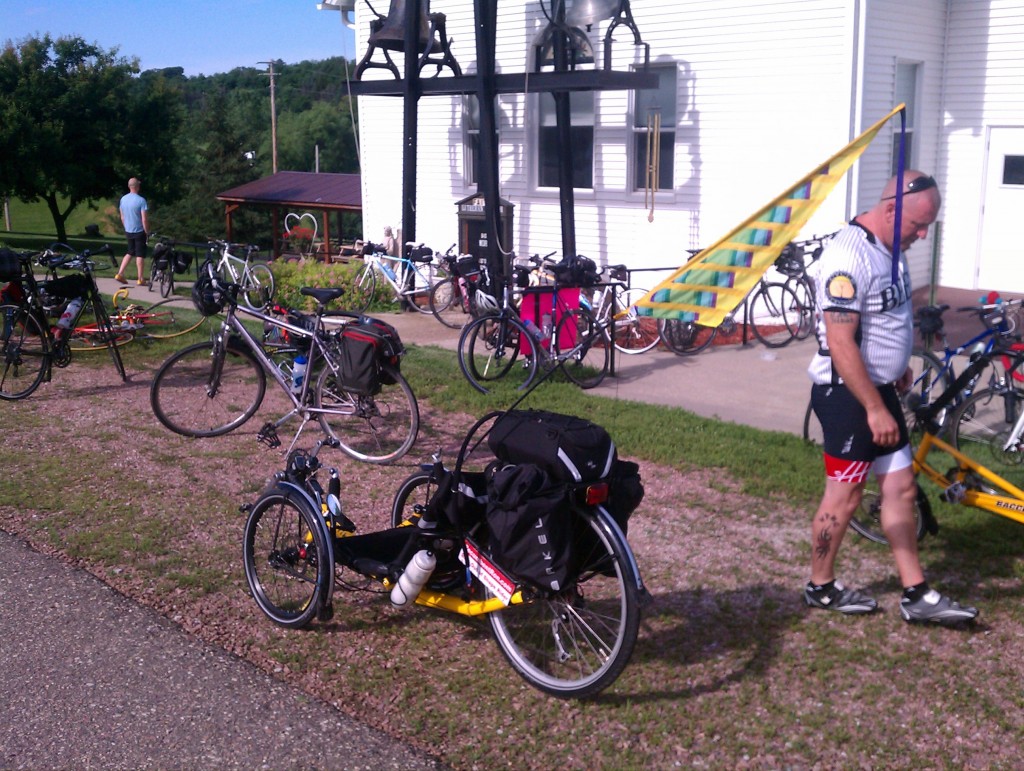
(203,36)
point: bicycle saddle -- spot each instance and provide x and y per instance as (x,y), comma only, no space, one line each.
(322,296)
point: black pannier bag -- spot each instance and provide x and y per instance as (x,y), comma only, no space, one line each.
(366,346)
(529,526)
(576,271)
(568,448)
(10,265)
(181,262)
(162,256)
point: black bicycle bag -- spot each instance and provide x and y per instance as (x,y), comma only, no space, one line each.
(366,346)
(568,448)
(530,533)
(10,265)
(181,262)
(162,256)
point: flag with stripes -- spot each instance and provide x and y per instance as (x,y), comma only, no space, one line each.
(713,283)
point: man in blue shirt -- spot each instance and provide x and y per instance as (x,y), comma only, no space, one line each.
(135,219)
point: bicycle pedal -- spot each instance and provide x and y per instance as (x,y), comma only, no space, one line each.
(268,436)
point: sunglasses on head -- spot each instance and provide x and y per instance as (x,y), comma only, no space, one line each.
(916,185)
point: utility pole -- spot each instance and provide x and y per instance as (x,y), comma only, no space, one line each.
(273,118)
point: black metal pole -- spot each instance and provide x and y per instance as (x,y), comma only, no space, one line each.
(486,32)
(410,122)
(563,124)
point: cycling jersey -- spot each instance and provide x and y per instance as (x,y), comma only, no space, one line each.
(855,275)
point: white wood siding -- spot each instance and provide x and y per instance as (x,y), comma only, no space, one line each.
(764,96)
(984,89)
(911,31)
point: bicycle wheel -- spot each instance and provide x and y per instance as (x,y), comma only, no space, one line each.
(91,338)
(801,315)
(286,558)
(812,428)
(377,429)
(867,520)
(685,338)
(773,314)
(576,643)
(448,303)
(982,427)
(582,347)
(416,490)
(258,286)
(207,389)
(154,279)
(167,283)
(160,320)
(488,349)
(930,380)
(633,333)
(24,352)
(364,288)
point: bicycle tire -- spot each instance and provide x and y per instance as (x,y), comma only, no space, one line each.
(160,322)
(364,288)
(582,348)
(803,291)
(685,338)
(181,392)
(154,278)
(448,305)
(258,286)
(633,333)
(415,490)
(286,558)
(930,380)
(24,352)
(91,338)
(167,283)
(488,350)
(868,523)
(577,643)
(812,427)
(771,315)
(981,428)
(375,429)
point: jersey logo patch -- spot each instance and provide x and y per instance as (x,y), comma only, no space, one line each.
(840,288)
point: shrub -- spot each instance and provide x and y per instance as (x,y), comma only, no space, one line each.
(290,277)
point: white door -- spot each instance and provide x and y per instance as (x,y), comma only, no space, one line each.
(1001,262)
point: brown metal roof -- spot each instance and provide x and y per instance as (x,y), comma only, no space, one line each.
(300,189)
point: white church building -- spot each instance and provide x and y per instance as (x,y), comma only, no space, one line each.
(752,95)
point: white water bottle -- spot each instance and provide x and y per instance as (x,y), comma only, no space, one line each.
(298,373)
(69,313)
(415,577)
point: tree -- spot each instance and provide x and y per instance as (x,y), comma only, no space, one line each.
(76,123)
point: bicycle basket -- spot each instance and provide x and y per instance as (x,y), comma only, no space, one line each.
(10,265)
(208,298)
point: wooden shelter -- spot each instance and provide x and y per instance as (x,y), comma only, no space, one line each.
(297,190)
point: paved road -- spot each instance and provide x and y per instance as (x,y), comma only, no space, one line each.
(91,679)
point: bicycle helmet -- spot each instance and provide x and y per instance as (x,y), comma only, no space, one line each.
(208,298)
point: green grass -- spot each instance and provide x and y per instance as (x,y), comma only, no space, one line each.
(35,218)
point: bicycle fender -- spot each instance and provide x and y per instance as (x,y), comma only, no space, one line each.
(612,529)
(285,487)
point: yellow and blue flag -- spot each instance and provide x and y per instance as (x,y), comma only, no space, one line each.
(713,283)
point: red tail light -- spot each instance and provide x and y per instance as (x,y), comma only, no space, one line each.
(596,493)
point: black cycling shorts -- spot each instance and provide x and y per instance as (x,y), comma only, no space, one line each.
(844,422)
(136,244)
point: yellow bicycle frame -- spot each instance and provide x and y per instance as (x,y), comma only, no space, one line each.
(958,488)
